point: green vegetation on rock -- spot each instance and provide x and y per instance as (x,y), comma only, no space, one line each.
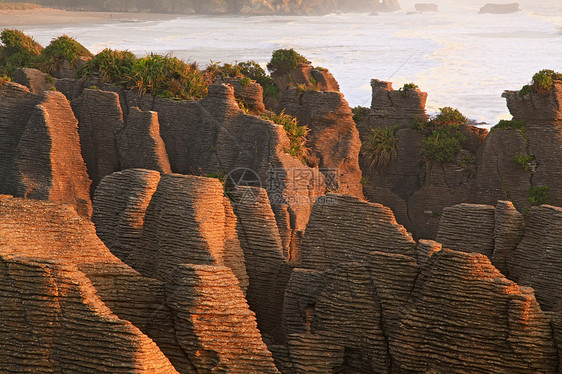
(17,50)
(111,66)
(408,87)
(359,113)
(442,138)
(298,135)
(167,76)
(63,48)
(285,60)
(381,147)
(543,81)
(539,195)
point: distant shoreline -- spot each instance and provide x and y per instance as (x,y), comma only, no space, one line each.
(49,16)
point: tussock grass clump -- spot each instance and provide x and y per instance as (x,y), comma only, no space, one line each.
(542,83)
(509,125)
(17,50)
(298,135)
(381,147)
(63,48)
(167,76)
(111,66)
(285,60)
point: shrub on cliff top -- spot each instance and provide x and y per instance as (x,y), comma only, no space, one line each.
(17,50)
(408,87)
(298,135)
(359,113)
(381,147)
(111,66)
(285,60)
(442,138)
(63,48)
(167,76)
(544,80)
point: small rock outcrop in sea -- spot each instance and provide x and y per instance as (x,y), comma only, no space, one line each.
(500,8)
(41,149)
(426,7)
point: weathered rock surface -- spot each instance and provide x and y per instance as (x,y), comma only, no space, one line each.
(139,144)
(120,203)
(468,228)
(47,164)
(100,119)
(267,268)
(500,8)
(250,94)
(186,223)
(537,260)
(490,324)
(16,106)
(34,79)
(305,76)
(234,344)
(344,228)
(508,231)
(56,289)
(333,139)
(396,107)
(415,188)
(557,324)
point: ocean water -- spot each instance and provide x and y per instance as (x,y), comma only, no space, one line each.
(461,58)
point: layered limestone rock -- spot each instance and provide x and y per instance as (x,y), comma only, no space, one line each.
(305,76)
(215,135)
(343,305)
(49,309)
(468,318)
(250,94)
(186,223)
(557,324)
(468,228)
(396,107)
(344,228)
(202,296)
(100,119)
(537,260)
(518,160)
(47,164)
(333,139)
(16,106)
(34,79)
(139,144)
(57,290)
(267,268)
(120,203)
(508,230)
(414,187)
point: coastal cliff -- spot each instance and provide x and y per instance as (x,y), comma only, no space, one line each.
(225,229)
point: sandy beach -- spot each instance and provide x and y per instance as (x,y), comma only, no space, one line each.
(47,16)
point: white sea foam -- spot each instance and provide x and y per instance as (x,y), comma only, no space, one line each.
(463,59)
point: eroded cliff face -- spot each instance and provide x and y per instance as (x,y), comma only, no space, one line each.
(414,187)
(41,156)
